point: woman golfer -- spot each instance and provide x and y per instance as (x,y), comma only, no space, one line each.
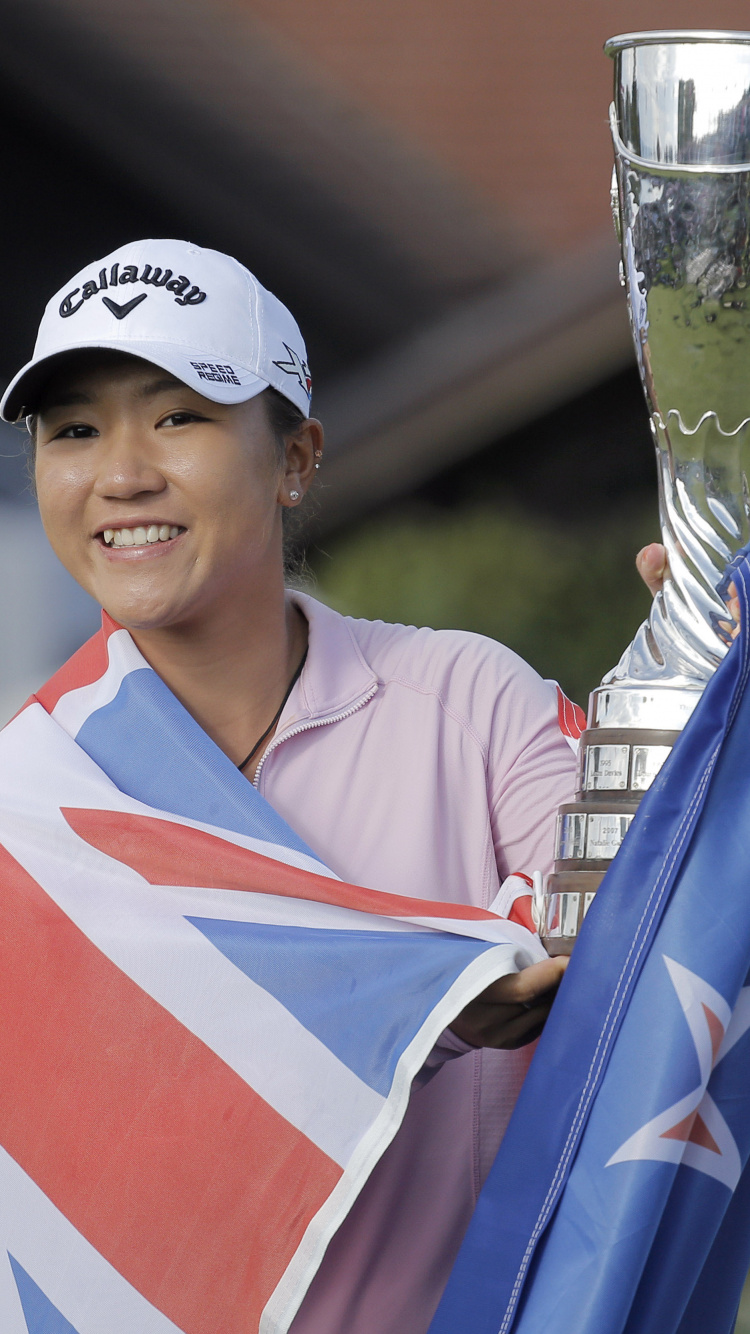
(168,406)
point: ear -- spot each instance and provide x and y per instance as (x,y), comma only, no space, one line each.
(304,451)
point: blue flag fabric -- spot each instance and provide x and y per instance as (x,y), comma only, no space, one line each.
(619,1202)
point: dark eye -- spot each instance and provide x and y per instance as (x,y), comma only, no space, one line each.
(181,418)
(77,432)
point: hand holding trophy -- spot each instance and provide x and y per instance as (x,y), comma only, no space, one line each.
(681,200)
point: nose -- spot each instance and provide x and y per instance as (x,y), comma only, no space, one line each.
(126,467)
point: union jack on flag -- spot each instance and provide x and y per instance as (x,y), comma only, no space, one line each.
(207,1038)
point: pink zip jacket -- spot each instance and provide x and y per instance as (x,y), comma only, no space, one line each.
(425,763)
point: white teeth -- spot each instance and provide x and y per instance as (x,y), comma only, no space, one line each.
(140,536)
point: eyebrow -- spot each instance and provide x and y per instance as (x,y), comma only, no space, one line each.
(64,400)
(154,387)
(76,397)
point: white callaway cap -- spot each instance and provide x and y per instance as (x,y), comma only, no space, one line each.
(195,313)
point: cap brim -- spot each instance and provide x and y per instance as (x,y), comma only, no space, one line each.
(216,381)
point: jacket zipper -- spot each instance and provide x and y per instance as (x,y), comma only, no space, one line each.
(308,726)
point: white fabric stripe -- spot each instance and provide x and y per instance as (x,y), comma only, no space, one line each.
(244,906)
(82,783)
(12,1319)
(73,708)
(499,932)
(88,1291)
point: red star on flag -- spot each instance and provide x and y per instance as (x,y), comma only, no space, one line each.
(693,1131)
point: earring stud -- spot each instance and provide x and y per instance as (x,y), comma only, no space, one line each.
(294,495)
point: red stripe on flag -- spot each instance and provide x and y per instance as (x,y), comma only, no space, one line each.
(87,665)
(165,853)
(172,1167)
(521,875)
(570,716)
(521,912)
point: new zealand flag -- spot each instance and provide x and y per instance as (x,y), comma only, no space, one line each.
(619,1202)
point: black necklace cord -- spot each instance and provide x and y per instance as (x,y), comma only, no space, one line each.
(277,714)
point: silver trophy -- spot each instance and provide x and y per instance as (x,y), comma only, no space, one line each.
(680,124)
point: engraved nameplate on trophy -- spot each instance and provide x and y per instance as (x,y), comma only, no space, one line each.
(681,200)
(606,768)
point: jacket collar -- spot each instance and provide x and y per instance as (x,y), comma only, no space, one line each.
(336,675)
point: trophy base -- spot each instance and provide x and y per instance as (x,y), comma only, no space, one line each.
(619,759)
(568,897)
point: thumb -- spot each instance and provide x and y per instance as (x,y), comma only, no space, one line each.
(651,564)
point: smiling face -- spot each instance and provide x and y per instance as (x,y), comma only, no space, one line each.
(164,506)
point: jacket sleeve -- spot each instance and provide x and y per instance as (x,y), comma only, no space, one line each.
(447,1048)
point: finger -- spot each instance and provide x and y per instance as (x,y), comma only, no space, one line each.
(732,628)
(527,986)
(730,631)
(511,1033)
(651,564)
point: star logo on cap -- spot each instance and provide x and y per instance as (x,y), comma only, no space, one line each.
(295,366)
(693,1131)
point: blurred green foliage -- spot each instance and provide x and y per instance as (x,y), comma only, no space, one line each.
(568,599)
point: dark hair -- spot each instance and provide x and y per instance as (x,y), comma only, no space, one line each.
(285,419)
